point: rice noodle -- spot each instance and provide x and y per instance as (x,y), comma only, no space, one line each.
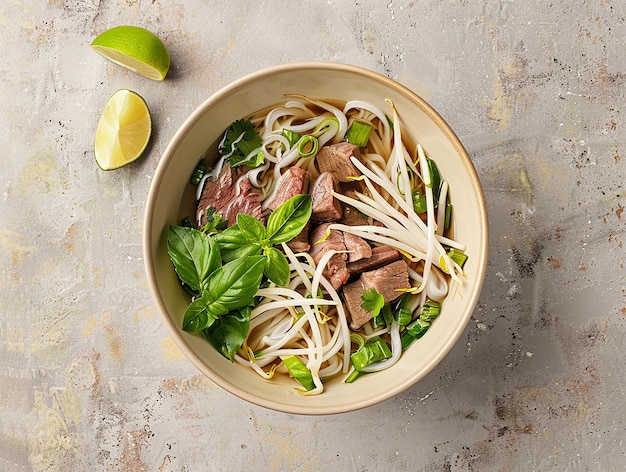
(307,317)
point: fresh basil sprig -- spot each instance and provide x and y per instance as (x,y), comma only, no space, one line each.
(221,288)
(226,269)
(228,332)
(249,237)
(193,254)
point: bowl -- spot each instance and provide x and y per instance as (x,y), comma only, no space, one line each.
(167,203)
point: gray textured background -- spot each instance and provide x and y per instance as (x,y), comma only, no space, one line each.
(90,380)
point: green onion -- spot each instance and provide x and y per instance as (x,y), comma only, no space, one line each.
(419,201)
(406,340)
(383,318)
(374,350)
(353,376)
(357,339)
(387,315)
(430,311)
(308,146)
(291,136)
(198,173)
(435,178)
(378,321)
(299,371)
(417,328)
(403,316)
(448,217)
(457,256)
(324,124)
(359,133)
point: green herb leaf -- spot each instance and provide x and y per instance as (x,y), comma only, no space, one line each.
(196,316)
(229,331)
(251,228)
(435,178)
(299,371)
(239,141)
(276,267)
(234,245)
(372,301)
(234,285)
(214,222)
(194,255)
(289,219)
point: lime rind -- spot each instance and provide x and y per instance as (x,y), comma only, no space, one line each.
(134,48)
(124,130)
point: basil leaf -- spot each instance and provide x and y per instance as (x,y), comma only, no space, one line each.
(251,228)
(229,331)
(276,266)
(289,219)
(234,245)
(194,255)
(196,316)
(234,285)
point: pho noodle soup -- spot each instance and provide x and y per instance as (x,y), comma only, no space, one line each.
(321,244)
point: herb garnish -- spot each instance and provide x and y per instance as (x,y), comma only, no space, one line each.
(240,140)
(226,269)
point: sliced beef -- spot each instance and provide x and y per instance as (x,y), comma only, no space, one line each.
(335,270)
(380,255)
(301,242)
(294,181)
(352,297)
(335,158)
(325,206)
(358,248)
(227,200)
(385,280)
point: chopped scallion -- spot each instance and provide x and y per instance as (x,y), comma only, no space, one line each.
(355,374)
(419,201)
(435,178)
(299,371)
(417,328)
(357,339)
(326,123)
(374,350)
(448,217)
(430,311)
(378,321)
(403,316)
(198,173)
(308,146)
(387,315)
(292,136)
(457,256)
(359,133)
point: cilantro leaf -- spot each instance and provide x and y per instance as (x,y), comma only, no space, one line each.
(372,301)
(241,139)
(214,222)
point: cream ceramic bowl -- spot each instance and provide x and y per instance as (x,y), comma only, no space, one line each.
(168,202)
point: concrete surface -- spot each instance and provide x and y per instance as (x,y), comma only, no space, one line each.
(90,380)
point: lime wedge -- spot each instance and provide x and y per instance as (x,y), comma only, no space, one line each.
(123,130)
(136,49)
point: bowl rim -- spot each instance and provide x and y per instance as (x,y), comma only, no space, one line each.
(166,160)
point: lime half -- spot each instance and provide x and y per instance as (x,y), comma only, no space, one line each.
(123,131)
(136,49)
